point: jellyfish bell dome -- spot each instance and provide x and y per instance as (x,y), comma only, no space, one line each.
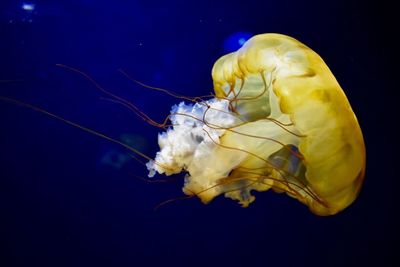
(279,120)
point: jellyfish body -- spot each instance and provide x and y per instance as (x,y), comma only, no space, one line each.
(279,120)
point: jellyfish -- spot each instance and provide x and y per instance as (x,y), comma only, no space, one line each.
(278,120)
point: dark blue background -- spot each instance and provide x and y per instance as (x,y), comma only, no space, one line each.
(63,204)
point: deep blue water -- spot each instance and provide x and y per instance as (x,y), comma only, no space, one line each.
(68,198)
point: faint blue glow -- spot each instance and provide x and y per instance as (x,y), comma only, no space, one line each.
(28,6)
(118,159)
(236,40)
(115,159)
(241,41)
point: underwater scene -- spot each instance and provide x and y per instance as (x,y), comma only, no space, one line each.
(197,133)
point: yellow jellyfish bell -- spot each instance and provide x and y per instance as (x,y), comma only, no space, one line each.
(279,120)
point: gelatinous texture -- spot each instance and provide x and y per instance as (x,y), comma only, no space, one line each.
(279,120)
